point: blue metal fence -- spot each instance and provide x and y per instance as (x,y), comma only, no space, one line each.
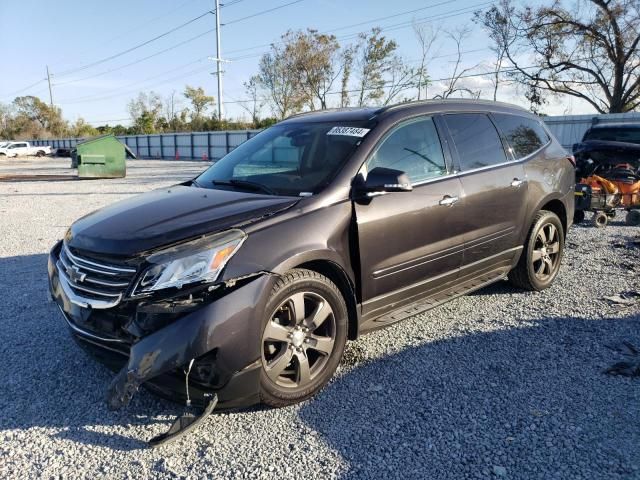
(185,146)
(568,129)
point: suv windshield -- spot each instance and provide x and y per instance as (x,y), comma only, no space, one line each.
(287,159)
(614,134)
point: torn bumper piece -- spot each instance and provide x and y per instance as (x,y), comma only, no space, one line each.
(224,330)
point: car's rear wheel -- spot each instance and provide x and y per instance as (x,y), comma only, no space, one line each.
(540,260)
(303,337)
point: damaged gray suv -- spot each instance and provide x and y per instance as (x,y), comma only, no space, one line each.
(243,285)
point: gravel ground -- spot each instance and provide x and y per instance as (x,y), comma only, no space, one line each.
(499,383)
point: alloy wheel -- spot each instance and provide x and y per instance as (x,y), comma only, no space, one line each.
(298,340)
(545,256)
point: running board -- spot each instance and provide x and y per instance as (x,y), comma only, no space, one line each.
(436,299)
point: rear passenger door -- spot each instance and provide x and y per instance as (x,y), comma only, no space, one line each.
(494,192)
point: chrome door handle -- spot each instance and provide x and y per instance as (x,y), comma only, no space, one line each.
(448,200)
(517,182)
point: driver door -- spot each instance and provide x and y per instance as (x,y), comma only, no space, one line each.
(409,242)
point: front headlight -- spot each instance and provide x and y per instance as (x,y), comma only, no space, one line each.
(200,260)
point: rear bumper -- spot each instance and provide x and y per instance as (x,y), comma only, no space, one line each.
(226,331)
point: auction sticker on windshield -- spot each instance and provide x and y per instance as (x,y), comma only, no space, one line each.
(348,131)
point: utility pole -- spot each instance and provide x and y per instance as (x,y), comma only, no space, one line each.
(49,80)
(218,59)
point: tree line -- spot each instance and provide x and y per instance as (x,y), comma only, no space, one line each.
(588,51)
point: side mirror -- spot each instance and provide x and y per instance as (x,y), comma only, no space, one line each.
(382,180)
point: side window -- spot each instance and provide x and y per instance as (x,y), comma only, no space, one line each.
(413,148)
(476,140)
(525,135)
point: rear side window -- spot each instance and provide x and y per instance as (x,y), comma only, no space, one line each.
(476,140)
(413,148)
(525,135)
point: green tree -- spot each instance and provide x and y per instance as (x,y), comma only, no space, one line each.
(278,77)
(33,117)
(145,111)
(82,129)
(200,102)
(375,59)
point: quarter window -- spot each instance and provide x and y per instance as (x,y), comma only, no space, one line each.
(476,140)
(413,148)
(525,135)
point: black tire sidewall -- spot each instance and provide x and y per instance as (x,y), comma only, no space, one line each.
(304,280)
(544,219)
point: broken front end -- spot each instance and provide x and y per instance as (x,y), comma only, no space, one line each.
(164,321)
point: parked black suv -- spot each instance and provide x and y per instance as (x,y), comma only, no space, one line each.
(250,278)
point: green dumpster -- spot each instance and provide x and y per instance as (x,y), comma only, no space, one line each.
(100,157)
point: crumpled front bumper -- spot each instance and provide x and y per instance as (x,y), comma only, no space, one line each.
(227,329)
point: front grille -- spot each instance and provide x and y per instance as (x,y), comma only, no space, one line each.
(98,284)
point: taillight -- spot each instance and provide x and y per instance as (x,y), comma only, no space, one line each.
(572,159)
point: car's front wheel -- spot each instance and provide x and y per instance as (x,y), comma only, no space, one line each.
(304,334)
(540,260)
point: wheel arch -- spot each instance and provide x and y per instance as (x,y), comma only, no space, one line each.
(337,275)
(556,206)
(553,204)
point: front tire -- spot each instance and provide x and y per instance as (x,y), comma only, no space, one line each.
(39,153)
(540,260)
(303,339)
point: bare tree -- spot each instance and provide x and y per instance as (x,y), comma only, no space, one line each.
(400,78)
(588,52)
(254,106)
(426,36)
(171,108)
(454,85)
(347,68)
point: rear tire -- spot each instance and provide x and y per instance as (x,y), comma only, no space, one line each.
(540,260)
(600,219)
(303,339)
(633,218)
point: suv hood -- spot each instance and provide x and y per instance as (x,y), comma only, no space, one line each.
(164,217)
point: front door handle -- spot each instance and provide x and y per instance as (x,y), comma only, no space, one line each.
(448,200)
(517,182)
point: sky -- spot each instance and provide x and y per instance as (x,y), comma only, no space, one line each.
(101,54)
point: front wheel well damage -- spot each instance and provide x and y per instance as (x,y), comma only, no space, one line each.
(337,275)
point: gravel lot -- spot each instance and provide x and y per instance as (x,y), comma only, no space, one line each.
(500,383)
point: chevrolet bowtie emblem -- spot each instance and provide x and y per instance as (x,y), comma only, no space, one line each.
(76,275)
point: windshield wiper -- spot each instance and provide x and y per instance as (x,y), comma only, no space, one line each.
(246,184)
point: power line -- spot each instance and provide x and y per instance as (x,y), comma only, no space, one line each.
(135,62)
(131,49)
(137,28)
(261,13)
(145,80)
(396,26)
(97,99)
